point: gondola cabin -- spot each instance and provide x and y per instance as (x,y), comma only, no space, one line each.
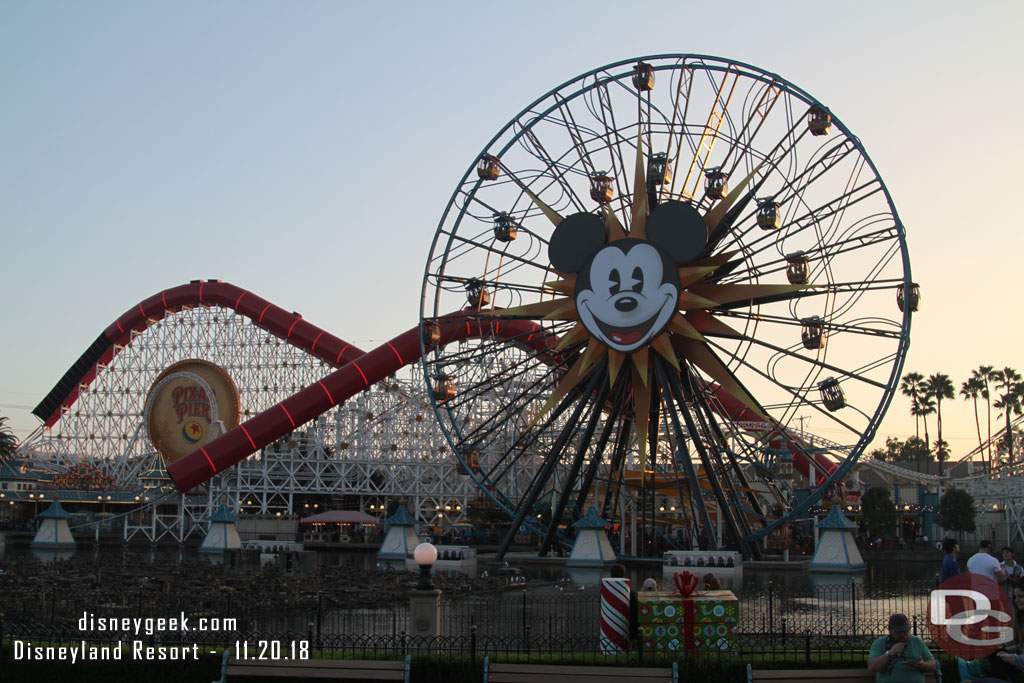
(716,183)
(915,297)
(445,388)
(832,394)
(819,121)
(643,76)
(798,268)
(601,188)
(504,227)
(476,295)
(768,214)
(487,168)
(431,334)
(812,332)
(659,170)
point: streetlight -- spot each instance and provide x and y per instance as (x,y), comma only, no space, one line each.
(425,555)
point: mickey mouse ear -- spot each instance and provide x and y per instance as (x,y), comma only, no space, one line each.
(575,240)
(679,229)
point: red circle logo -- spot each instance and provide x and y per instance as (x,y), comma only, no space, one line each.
(969,616)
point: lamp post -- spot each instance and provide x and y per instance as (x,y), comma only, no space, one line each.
(425,555)
(425,600)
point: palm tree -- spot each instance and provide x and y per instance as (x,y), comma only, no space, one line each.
(1009,402)
(971,389)
(925,407)
(910,386)
(939,386)
(984,373)
(8,442)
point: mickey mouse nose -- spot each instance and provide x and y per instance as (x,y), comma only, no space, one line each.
(626,304)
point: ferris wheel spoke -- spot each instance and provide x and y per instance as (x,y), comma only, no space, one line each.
(807,221)
(710,131)
(832,326)
(800,398)
(544,472)
(791,353)
(569,123)
(675,405)
(612,420)
(613,138)
(710,420)
(596,411)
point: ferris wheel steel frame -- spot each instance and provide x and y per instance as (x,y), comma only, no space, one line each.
(549,187)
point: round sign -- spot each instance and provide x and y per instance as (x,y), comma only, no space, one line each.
(969,616)
(190,403)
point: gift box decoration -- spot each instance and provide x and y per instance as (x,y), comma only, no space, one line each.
(701,621)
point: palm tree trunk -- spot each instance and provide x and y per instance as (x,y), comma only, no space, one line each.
(1009,437)
(977,424)
(938,420)
(988,400)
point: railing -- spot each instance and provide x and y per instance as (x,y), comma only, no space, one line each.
(756,649)
(538,615)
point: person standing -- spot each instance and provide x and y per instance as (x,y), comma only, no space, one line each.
(949,563)
(1014,570)
(985,564)
(900,657)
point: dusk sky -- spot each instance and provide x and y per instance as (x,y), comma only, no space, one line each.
(306,150)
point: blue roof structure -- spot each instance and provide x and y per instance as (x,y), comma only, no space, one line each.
(55,511)
(401,518)
(591,520)
(223,514)
(835,520)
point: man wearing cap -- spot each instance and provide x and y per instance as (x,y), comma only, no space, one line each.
(900,657)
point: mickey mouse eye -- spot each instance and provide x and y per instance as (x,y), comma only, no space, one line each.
(638,279)
(616,279)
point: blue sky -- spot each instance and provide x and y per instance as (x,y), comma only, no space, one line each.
(306,150)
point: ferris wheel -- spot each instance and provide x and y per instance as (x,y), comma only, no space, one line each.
(707,254)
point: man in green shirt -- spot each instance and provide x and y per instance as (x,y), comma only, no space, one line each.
(900,657)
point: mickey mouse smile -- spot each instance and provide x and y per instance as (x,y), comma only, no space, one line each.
(627,293)
(631,336)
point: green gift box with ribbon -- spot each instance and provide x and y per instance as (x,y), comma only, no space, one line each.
(704,621)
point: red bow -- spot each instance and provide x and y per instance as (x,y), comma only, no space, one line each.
(687,582)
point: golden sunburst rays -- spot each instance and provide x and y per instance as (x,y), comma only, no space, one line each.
(683,337)
(570,380)
(615,360)
(704,358)
(663,345)
(613,228)
(576,335)
(638,224)
(714,217)
(703,322)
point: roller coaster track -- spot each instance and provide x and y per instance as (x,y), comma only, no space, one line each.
(274,319)
(355,369)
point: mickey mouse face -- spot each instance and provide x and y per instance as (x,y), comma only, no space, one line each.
(627,290)
(627,293)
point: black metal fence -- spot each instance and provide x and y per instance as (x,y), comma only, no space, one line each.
(840,618)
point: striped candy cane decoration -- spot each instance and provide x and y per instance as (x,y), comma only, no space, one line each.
(614,616)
